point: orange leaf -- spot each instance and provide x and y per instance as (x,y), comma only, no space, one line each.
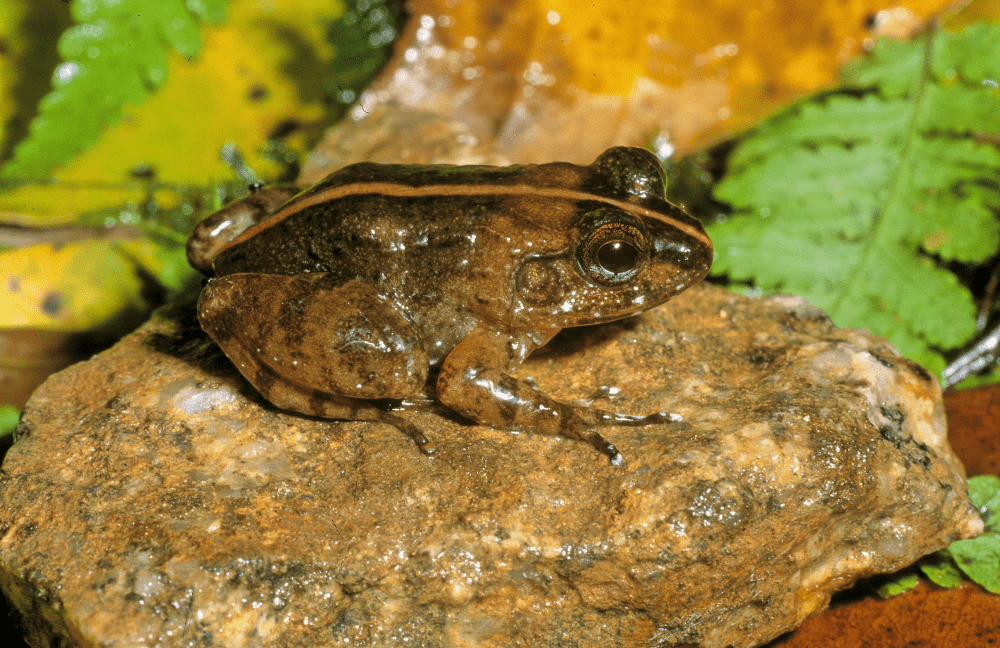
(564,80)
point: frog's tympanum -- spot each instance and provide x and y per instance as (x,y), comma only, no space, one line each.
(351,291)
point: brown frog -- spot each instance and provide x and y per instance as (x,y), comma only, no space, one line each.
(352,290)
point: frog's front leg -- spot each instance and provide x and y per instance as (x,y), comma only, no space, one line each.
(474,382)
(315,346)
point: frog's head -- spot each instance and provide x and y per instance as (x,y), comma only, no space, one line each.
(629,249)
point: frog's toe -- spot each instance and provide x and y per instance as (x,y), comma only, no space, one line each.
(410,430)
(607,418)
(423,443)
(605,447)
(655,418)
(426,447)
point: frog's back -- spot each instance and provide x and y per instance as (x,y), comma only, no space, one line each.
(374,221)
(374,237)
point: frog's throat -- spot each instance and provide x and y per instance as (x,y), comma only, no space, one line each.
(682,222)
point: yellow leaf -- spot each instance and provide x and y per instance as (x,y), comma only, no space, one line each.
(75,287)
(245,82)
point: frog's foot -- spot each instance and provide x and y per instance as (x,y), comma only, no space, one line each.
(409,429)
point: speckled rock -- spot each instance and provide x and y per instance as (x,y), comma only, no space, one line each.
(153,499)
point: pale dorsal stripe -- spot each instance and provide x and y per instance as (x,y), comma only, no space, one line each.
(404,191)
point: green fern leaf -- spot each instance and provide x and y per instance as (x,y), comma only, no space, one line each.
(854,199)
(363,36)
(115,54)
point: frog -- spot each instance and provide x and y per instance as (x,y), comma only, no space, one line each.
(339,299)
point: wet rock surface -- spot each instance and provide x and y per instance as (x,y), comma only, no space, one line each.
(154,499)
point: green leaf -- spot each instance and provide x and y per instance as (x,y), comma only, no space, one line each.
(984,491)
(894,67)
(363,36)
(9,418)
(116,54)
(979,558)
(855,198)
(211,11)
(901,583)
(939,568)
(971,54)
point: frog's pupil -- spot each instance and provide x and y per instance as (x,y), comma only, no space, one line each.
(617,256)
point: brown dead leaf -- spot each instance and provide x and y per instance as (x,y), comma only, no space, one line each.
(29,356)
(966,617)
(974,428)
(564,80)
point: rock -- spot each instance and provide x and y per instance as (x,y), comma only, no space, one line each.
(154,499)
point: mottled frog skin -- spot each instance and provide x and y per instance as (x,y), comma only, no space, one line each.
(351,291)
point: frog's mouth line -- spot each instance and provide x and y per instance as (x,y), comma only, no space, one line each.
(686,224)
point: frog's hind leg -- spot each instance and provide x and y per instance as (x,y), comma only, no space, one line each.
(316,347)
(289,396)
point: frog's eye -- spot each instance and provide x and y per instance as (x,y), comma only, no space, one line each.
(613,251)
(617,256)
